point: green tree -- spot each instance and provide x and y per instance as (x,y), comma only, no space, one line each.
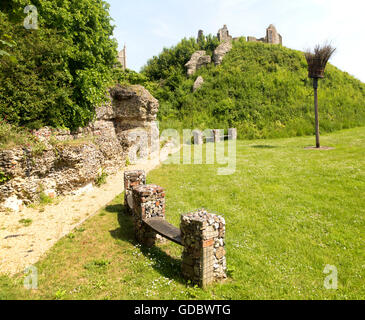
(5,44)
(64,67)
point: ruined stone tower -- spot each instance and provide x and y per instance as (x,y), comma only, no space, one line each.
(223,34)
(122,57)
(200,35)
(272,36)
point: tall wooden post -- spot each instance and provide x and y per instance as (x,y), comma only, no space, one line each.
(315,86)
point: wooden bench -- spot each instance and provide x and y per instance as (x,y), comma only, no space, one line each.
(164,229)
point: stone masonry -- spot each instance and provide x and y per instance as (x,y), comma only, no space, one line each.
(122,57)
(149,202)
(221,51)
(216,135)
(200,58)
(197,60)
(198,83)
(203,258)
(198,138)
(272,36)
(132,179)
(223,34)
(200,35)
(125,128)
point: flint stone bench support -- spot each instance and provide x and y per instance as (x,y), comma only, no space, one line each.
(203,258)
(132,179)
(148,203)
(216,136)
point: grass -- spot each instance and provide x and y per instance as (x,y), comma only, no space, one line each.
(289,212)
(3,177)
(101,179)
(73,142)
(12,136)
(44,201)
(26,222)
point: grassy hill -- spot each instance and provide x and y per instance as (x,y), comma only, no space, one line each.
(262,90)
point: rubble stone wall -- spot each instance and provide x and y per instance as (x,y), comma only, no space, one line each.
(124,128)
(132,179)
(149,202)
(203,258)
(197,60)
(221,51)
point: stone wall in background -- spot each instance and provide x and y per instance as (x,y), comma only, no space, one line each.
(221,51)
(200,58)
(197,60)
(225,39)
(272,36)
(198,83)
(223,34)
(125,128)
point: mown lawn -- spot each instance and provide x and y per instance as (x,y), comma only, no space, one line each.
(289,213)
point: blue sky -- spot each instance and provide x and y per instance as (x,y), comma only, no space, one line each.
(146,26)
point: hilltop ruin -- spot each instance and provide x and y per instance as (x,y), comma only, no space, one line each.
(272,36)
(122,57)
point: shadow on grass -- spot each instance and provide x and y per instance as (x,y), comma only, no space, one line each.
(264,147)
(125,232)
(116,208)
(168,266)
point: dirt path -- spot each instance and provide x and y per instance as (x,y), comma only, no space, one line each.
(21,247)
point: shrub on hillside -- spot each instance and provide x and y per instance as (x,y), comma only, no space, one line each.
(169,65)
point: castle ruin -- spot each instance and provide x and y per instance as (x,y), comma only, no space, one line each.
(200,35)
(223,34)
(272,36)
(122,57)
